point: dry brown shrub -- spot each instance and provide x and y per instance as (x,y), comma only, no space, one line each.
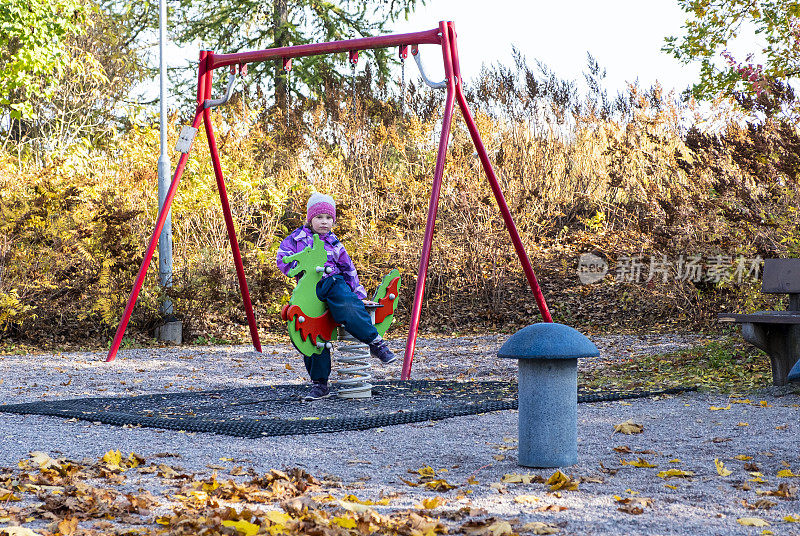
(629,184)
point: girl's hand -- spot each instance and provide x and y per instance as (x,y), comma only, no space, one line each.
(370,302)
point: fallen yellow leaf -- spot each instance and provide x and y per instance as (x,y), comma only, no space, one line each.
(67,527)
(499,528)
(353,507)
(786,473)
(721,471)
(742,457)
(279,518)
(752,522)
(439,485)
(791,519)
(718,408)
(211,484)
(628,427)
(112,459)
(640,462)
(134,460)
(537,527)
(345,522)
(516,478)
(559,480)
(675,473)
(7,495)
(43,460)
(354,499)
(488,527)
(242,527)
(426,471)
(433,502)
(526,499)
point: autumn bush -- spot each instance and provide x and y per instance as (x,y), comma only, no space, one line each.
(615,179)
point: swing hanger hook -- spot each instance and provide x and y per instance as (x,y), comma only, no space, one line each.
(417,57)
(209,103)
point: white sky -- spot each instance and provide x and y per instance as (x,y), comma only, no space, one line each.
(625,36)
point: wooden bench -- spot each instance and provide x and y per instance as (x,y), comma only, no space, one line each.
(776,332)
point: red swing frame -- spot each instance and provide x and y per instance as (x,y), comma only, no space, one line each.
(445,36)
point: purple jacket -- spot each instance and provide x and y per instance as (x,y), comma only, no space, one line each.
(338,259)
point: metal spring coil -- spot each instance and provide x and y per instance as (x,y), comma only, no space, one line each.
(354,356)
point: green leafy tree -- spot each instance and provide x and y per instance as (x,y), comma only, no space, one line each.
(66,89)
(713,24)
(33,37)
(89,102)
(251,24)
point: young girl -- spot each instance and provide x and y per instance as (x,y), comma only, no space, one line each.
(339,289)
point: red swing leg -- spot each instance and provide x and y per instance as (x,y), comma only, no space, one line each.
(226,209)
(416,308)
(162,218)
(498,193)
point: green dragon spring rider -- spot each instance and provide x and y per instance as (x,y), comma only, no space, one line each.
(310,325)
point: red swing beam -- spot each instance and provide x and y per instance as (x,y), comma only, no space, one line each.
(445,36)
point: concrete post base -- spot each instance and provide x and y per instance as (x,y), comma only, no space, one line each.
(548,412)
(171,332)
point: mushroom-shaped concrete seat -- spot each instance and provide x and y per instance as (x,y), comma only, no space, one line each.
(548,355)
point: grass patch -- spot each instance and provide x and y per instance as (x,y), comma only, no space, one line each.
(730,365)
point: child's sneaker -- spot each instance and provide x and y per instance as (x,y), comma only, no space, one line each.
(318,390)
(379,349)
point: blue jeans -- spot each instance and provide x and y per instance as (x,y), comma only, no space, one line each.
(347,309)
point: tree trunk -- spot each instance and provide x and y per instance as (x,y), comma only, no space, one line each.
(280,18)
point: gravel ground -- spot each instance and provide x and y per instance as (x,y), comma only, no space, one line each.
(687,432)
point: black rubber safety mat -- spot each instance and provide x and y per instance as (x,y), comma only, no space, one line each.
(275,410)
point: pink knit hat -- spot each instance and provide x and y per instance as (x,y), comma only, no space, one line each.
(320,204)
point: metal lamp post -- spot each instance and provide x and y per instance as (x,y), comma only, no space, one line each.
(171,328)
